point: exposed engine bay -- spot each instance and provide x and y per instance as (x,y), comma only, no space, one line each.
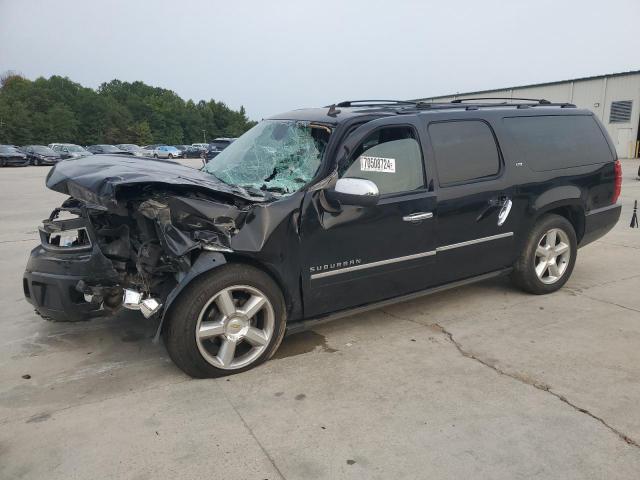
(149,242)
(131,237)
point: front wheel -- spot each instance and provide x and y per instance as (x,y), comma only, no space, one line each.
(171,156)
(549,256)
(226,322)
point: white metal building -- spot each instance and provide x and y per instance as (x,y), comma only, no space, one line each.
(614,98)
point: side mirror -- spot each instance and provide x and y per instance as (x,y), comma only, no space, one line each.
(354,191)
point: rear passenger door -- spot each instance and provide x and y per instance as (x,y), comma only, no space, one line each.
(474,199)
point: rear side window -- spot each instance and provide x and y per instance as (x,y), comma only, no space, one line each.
(555,142)
(464,151)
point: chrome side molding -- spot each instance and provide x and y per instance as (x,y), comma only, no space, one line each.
(415,256)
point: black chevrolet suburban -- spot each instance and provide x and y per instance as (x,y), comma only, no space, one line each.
(319,213)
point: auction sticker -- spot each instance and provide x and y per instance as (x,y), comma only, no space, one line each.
(378,164)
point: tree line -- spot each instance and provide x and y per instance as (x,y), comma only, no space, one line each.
(56,109)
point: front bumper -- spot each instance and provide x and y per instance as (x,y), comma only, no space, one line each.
(48,160)
(54,278)
(598,223)
(16,161)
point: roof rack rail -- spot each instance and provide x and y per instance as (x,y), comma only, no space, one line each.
(541,101)
(476,106)
(367,103)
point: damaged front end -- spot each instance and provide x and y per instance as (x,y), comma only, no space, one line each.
(134,249)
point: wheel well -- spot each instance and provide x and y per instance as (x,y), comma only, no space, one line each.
(288,299)
(575,215)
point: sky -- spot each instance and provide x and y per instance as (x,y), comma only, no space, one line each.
(277,55)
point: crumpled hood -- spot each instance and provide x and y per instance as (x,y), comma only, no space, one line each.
(98,179)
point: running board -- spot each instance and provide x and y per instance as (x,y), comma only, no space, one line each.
(301,326)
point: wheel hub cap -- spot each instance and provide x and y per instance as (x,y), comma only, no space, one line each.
(235,327)
(552,256)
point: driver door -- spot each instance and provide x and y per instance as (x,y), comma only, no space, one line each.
(357,255)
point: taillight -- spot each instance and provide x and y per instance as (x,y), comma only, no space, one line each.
(617,188)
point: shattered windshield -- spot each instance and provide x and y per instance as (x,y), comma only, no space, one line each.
(279,156)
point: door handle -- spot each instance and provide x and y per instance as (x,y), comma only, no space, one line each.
(504,211)
(417,217)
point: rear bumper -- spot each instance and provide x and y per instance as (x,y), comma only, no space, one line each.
(598,223)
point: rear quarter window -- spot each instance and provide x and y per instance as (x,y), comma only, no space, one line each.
(555,142)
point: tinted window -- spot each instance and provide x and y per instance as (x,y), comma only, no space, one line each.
(389,157)
(42,150)
(555,142)
(464,151)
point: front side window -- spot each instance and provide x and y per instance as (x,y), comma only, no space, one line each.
(279,156)
(389,157)
(464,151)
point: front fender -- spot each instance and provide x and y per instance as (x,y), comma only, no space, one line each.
(205,262)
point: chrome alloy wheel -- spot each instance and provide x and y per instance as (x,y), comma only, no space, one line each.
(235,327)
(553,254)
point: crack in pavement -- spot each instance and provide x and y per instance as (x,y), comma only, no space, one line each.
(607,302)
(8,421)
(539,386)
(246,425)
(522,379)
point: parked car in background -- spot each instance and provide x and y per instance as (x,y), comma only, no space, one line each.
(69,150)
(162,151)
(41,155)
(133,148)
(217,146)
(11,156)
(222,143)
(189,151)
(110,149)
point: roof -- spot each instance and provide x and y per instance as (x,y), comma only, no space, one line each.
(336,114)
(544,84)
(321,115)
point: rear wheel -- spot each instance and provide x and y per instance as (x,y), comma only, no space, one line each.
(226,322)
(3,162)
(549,256)
(155,155)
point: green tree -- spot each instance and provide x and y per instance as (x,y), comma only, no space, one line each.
(57,109)
(141,133)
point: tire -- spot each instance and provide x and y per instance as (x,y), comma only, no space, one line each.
(250,339)
(36,162)
(155,155)
(548,258)
(170,156)
(3,162)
